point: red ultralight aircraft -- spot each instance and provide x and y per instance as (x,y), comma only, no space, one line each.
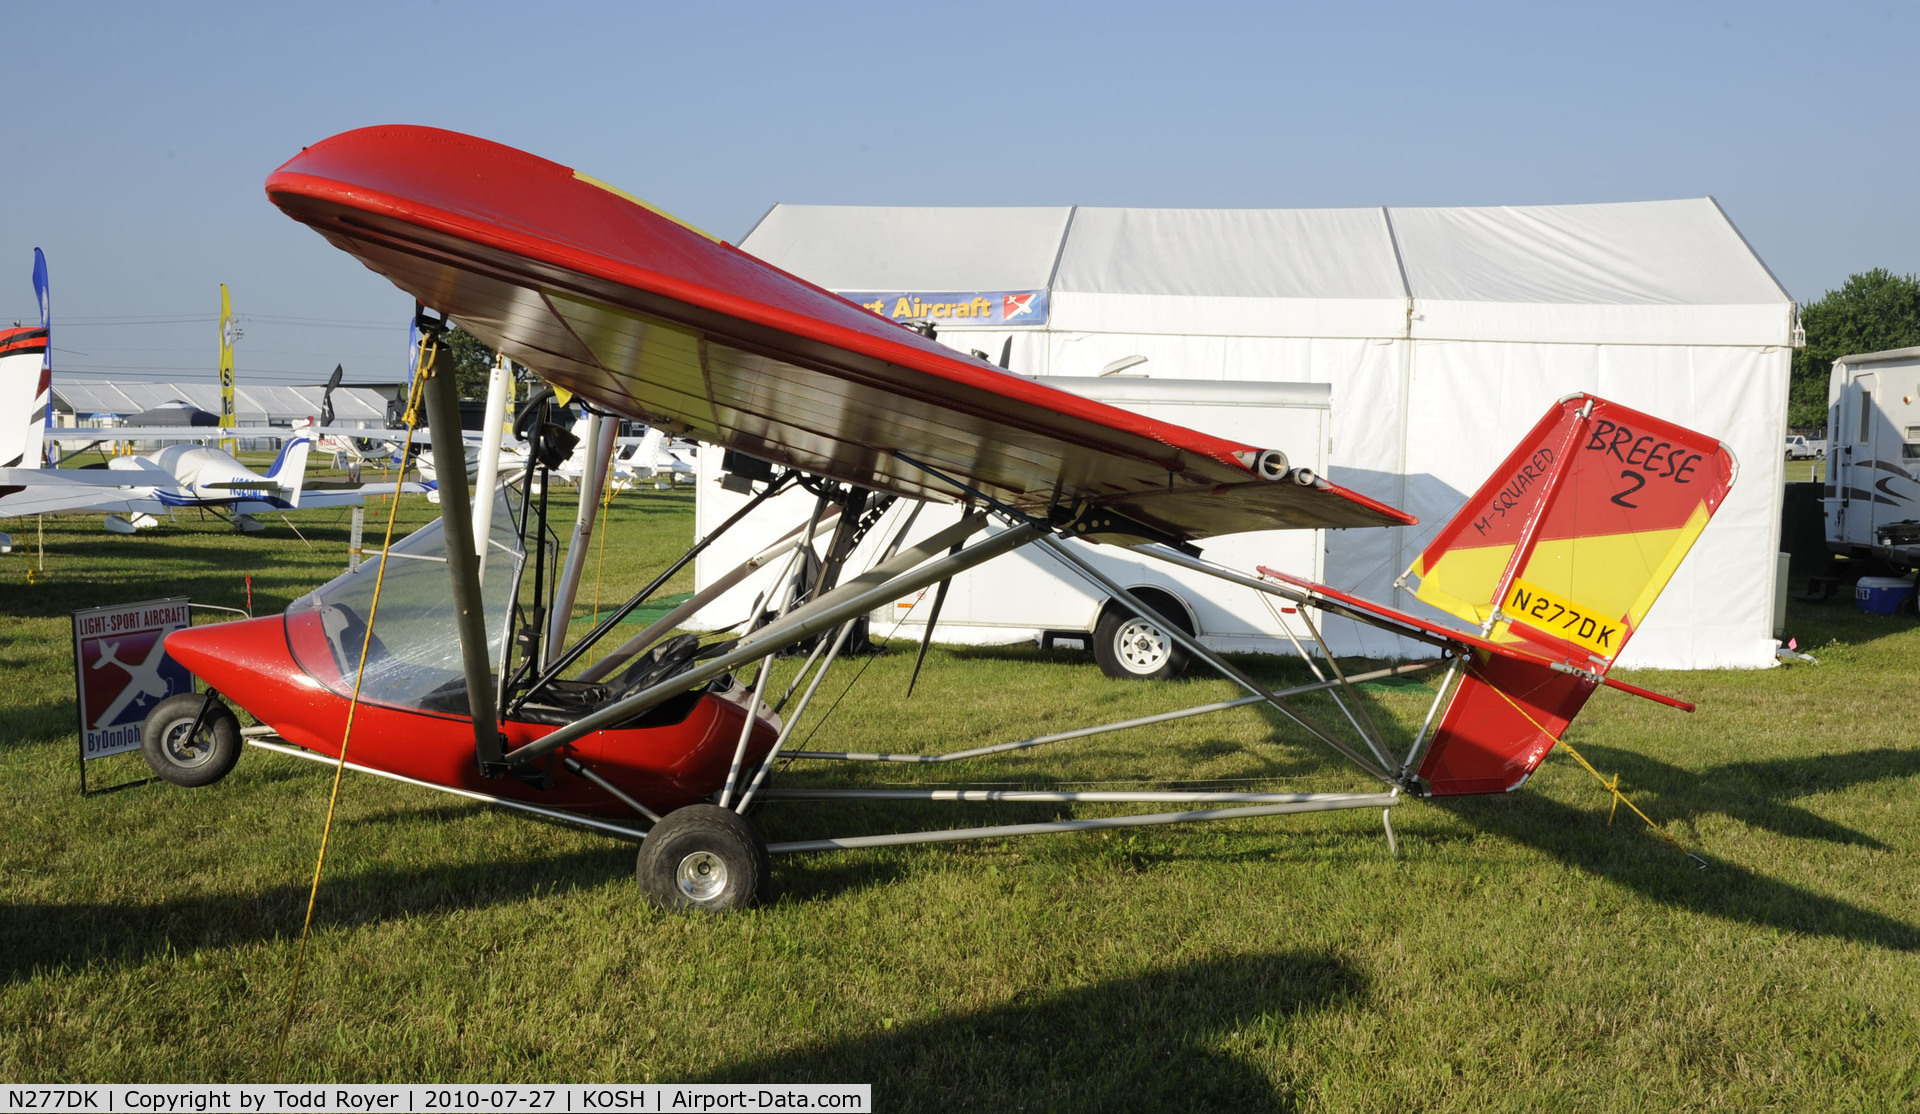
(1554,562)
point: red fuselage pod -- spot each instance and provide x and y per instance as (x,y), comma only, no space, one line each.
(678,756)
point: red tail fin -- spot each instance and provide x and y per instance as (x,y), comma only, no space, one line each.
(1558,557)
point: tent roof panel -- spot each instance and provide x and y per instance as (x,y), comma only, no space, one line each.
(1232,253)
(1635,253)
(252,404)
(877,247)
(1657,272)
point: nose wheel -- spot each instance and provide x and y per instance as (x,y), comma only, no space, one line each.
(703,857)
(178,751)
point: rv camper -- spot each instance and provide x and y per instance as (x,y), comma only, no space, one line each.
(1872,497)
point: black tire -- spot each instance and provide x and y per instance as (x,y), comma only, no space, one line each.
(703,857)
(202,760)
(1138,649)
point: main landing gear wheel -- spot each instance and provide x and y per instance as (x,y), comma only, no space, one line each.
(703,857)
(1131,648)
(183,756)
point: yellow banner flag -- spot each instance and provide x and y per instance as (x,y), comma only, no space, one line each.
(227,420)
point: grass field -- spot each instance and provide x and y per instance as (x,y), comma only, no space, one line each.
(1519,954)
(1804,471)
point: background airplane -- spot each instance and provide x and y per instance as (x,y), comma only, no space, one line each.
(133,491)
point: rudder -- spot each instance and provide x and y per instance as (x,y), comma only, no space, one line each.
(1558,557)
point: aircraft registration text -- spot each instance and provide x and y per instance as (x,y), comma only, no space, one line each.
(1554,614)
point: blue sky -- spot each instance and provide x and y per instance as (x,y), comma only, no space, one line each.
(148,130)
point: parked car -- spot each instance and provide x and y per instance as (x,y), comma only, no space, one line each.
(1799,448)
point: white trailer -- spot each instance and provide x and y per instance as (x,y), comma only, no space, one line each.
(1872,496)
(1029,595)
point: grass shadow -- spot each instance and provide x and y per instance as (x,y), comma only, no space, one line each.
(1758,793)
(1150,1042)
(1657,872)
(40,937)
(806,879)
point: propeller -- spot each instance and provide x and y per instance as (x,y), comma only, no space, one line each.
(1006,355)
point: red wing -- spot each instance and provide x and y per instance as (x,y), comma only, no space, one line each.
(648,317)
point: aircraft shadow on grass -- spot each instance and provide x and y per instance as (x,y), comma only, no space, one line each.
(32,724)
(1754,793)
(1140,1043)
(1758,793)
(37,936)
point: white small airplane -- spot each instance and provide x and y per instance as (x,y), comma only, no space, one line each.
(133,491)
(654,455)
(669,460)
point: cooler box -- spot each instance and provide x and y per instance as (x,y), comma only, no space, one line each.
(1881,595)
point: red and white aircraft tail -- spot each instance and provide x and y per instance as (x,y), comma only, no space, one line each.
(24,397)
(1555,561)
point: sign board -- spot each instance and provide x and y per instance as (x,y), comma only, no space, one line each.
(121,670)
(950,308)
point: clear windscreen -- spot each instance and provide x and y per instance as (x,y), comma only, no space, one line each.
(413,659)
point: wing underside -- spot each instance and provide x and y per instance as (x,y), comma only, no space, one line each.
(637,313)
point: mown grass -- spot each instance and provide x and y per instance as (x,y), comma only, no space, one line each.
(1805,471)
(1520,954)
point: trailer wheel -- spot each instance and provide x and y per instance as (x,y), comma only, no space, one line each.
(177,754)
(703,857)
(1130,647)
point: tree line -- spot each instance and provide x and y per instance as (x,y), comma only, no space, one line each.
(1872,312)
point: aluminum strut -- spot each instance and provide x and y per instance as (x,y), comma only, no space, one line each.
(793,721)
(621,830)
(499,386)
(1286,592)
(903,575)
(581,770)
(601,431)
(463,565)
(1193,646)
(1102,729)
(962,795)
(619,655)
(1321,802)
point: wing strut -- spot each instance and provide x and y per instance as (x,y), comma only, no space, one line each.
(463,567)
(939,601)
(907,573)
(1190,643)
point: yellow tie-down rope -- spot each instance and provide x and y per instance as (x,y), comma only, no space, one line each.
(1612,787)
(414,397)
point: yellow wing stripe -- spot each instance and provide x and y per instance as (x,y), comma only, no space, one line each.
(624,195)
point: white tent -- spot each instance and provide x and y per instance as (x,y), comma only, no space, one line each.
(1444,334)
(253,404)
